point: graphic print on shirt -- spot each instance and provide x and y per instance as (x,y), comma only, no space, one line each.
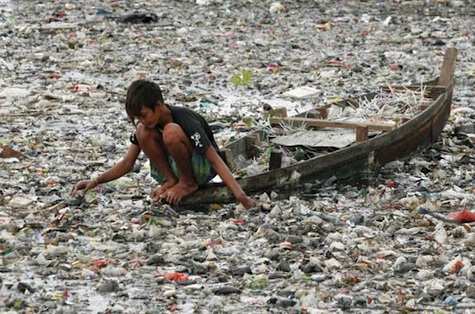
(197,138)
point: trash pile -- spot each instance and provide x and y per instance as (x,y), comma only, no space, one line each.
(400,238)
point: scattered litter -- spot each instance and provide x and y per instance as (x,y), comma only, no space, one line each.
(393,238)
(301,92)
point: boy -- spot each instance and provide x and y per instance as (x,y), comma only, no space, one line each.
(179,144)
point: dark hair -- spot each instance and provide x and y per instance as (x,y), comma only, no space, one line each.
(142,93)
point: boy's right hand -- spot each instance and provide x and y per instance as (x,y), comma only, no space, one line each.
(246,201)
(85,185)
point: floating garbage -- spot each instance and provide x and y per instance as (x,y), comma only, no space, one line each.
(399,237)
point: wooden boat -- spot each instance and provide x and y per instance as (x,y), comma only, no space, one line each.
(394,142)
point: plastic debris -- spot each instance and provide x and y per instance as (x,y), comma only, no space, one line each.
(136,18)
(301,92)
(176,276)
(462,216)
(393,238)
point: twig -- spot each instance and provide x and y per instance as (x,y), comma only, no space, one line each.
(57,206)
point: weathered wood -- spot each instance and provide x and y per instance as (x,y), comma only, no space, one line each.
(448,67)
(361,134)
(241,145)
(275,159)
(386,126)
(411,135)
(228,155)
(400,119)
(252,143)
(323,113)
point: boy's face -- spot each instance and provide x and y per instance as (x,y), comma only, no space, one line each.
(149,117)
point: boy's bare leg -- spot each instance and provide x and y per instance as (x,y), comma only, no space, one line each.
(179,147)
(151,142)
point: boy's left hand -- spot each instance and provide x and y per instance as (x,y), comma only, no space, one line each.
(85,185)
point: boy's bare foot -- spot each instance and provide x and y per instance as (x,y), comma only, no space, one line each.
(174,194)
(159,191)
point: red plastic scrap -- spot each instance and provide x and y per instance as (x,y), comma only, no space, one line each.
(462,216)
(391,184)
(80,88)
(100,263)
(238,221)
(172,307)
(395,67)
(273,67)
(177,277)
(456,267)
(56,16)
(66,294)
(60,14)
(136,221)
(213,242)
(339,63)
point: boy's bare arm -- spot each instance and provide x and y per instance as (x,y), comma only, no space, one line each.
(223,171)
(118,170)
(122,167)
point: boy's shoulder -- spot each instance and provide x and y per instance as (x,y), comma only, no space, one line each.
(181,109)
(179,112)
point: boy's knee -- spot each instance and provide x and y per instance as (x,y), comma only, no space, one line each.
(172,134)
(143,134)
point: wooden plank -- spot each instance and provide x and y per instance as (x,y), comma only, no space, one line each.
(252,143)
(386,126)
(275,159)
(448,67)
(323,113)
(361,134)
(228,155)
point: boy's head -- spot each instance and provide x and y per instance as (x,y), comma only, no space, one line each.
(142,95)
